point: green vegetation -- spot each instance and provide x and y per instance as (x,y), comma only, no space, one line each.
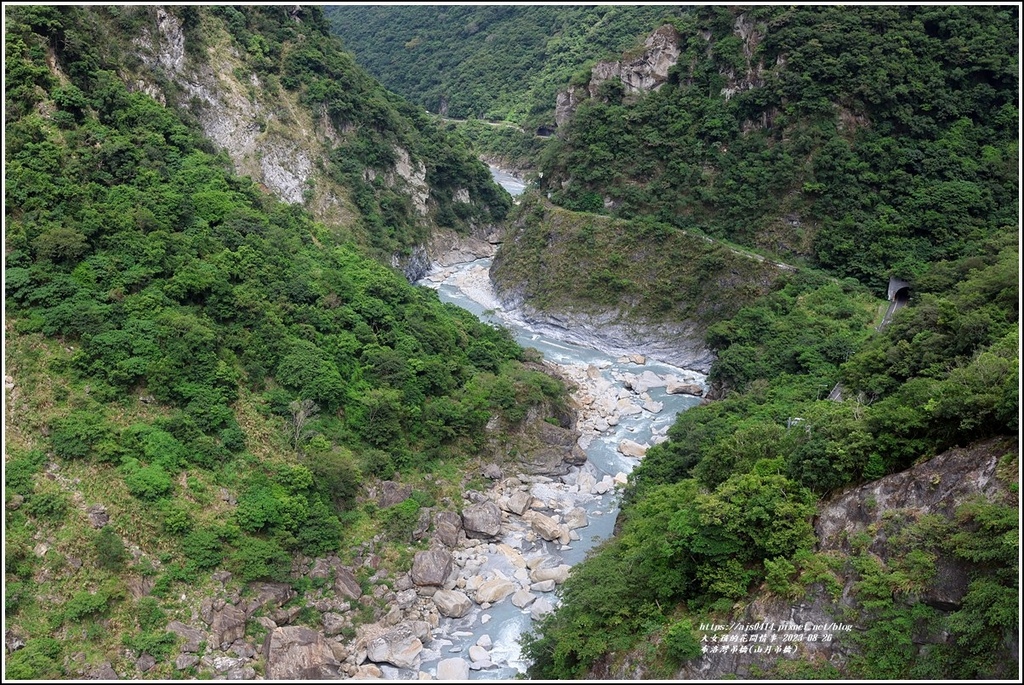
(499,63)
(564,260)
(224,374)
(374,126)
(868,148)
(870,141)
(752,463)
(218,370)
(510,147)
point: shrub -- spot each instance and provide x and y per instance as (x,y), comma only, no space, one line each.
(681,644)
(83,604)
(50,506)
(202,549)
(257,559)
(110,551)
(37,660)
(148,482)
(400,520)
(149,614)
(158,645)
(18,471)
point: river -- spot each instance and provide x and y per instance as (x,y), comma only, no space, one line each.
(644,420)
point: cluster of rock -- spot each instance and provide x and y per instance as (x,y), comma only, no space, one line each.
(499,549)
(604,398)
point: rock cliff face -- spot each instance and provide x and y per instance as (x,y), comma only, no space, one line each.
(641,72)
(269,137)
(553,270)
(647,69)
(287,147)
(881,511)
(678,343)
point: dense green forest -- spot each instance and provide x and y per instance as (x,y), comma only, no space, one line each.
(226,375)
(875,141)
(722,509)
(293,59)
(868,141)
(494,62)
(564,260)
(174,332)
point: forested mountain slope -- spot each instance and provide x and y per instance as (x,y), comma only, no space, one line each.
(202,381)
(870,142)
(497,62)
(270,87)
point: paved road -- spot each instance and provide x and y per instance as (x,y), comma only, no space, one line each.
(898,302)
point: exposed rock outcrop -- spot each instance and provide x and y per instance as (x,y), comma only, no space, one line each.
(431,567)
(878,510)
(298,653)
(641,72)
(227,624)
(482,520)
(400,647)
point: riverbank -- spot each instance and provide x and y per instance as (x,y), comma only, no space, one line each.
(624,403)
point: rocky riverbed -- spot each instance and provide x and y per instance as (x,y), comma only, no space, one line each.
(488,565)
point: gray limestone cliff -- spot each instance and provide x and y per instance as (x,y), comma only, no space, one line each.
(287,147)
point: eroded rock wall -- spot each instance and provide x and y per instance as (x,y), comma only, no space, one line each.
(878,510)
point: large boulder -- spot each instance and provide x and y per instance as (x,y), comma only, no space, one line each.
(226,626)
(345,584)
(676,387)
(576,518)
(447,525)
(391,493)
(455,668)
(586,482)
(399,647)
(557,574)
(491,591)
(431,567)
(268,595)
(632,449)
(546,527)
(452,603)
(523,598)
(482,520)
(298,653)
(518,503)
(193,637)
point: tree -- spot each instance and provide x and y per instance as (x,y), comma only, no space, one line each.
(303,411)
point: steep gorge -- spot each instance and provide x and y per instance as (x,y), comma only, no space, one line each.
(925,573)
